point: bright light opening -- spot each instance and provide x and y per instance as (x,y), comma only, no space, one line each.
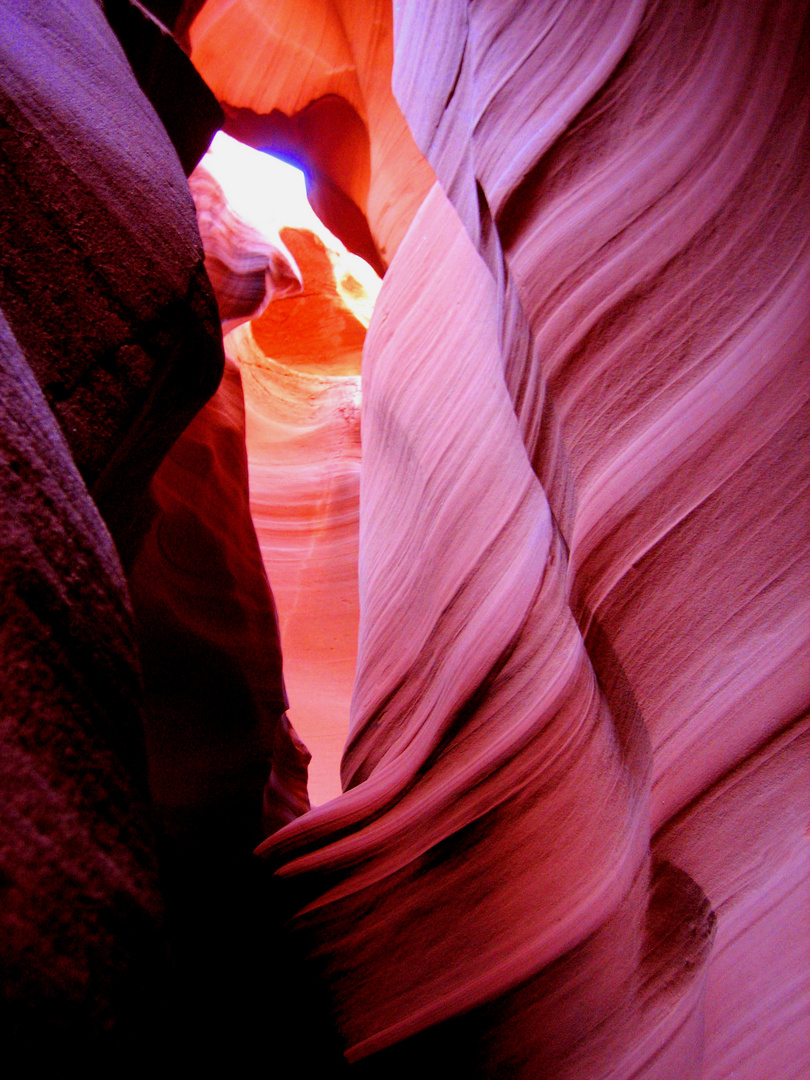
(271,194)
(264,190)
(303,443)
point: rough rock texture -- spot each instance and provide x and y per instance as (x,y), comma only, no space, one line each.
(582,682)
(116,345)
(81,940)
(103,281)
(185,105)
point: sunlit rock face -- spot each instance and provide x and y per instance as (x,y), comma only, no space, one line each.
(314,80)
(583,573)
(300,365)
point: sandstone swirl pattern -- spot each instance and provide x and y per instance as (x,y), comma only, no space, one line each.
(582,677)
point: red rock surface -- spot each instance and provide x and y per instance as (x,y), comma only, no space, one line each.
(573,837)
(314,81)
(103,281)
(583,574)
(300,365)
(115,345)
(84,958)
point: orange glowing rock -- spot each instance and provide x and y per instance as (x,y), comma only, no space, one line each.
(314,81)
(300,364)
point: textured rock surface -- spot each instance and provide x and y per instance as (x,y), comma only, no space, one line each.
(116,345)
(300,366)
(80,918)
(186,107)
(103,281)
(583,572)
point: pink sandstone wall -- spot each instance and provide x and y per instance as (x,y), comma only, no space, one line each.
(572,837)
(583,588)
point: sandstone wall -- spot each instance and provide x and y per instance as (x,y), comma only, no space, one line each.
(582,573)
(572,837)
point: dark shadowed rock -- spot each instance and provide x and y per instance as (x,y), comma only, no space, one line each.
(102,267)
(83,957)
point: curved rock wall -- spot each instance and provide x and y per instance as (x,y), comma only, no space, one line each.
(572,837)
(129,915)
(583,576)
(300,365)
(103,281)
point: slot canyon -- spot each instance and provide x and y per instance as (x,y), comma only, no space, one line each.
(406,609)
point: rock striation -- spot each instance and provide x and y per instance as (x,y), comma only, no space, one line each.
(571,840)
(583,587)
(300,365)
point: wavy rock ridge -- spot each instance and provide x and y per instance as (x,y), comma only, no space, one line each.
(572,840)
(583,593)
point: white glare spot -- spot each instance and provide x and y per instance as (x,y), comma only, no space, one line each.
(267,192)
(272,194)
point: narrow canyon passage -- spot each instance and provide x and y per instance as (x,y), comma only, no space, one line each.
(300,363)
(540,577)
(572,390)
